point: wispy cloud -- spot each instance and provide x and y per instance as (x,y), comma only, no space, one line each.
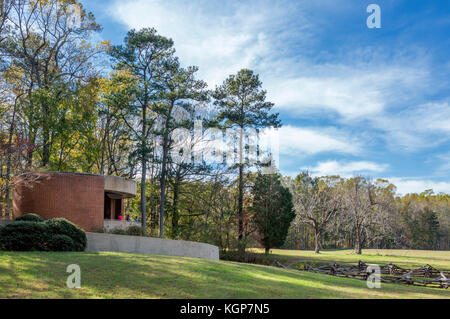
(416,128)
(353,91)
(409,186)
(220,40)
(297,141)
(347,96)
(347,169)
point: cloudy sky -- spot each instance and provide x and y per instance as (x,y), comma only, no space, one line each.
(353,100)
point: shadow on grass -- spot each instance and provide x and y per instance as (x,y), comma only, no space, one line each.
(111,275)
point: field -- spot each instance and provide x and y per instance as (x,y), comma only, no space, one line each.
(402,258)
(114,275)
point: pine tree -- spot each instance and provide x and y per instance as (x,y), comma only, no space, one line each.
(273,210)
(242,105)
(143,56)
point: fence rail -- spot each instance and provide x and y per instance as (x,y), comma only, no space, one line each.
(426,276)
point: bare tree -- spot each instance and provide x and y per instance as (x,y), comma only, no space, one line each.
(360,207)
(316,202)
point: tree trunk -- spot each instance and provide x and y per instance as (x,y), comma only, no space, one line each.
(9,163)
(143,201)
(317,242)
(358,245)
(45,137)
(175,215)
(163,186)
(241,246)
(267,250)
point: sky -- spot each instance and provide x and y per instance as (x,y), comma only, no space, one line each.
(353,100)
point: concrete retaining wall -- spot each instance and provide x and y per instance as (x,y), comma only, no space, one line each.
(150,246)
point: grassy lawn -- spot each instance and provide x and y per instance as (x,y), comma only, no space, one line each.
(402,258)
(115,275)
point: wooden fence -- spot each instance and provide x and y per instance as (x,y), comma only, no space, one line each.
(425,276)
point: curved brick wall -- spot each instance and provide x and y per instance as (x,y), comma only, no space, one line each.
(76,197)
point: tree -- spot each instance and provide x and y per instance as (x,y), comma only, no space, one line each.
(179,94)
(5,8)
(54,55)
(114,143)
(360,205)
(143,57)
(430,224)
(273,210)
(242,105)
(316,202)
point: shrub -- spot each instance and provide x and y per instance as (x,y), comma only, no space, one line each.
(118,231)
(61,226)
(30,218)
(24,236)
(135,231)
(247,257)
(61,243)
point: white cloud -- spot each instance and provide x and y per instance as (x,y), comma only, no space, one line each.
(408,186)
(352,92)
(220,41)
(346,169)
(444,168)
(366,90)
(417,128)
(299,142)
(234,35)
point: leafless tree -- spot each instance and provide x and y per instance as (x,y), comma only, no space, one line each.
(360,206)
(316,202)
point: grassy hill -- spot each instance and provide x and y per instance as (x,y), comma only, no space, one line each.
(114,275)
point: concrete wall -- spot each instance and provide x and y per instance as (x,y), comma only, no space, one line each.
(117,224)
(150,246)
(119,185)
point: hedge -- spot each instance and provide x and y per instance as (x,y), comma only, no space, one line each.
(61,226)
(56,234)
(30,218)
(24,236)
(60,243)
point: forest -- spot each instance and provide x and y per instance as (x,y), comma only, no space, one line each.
(70,103)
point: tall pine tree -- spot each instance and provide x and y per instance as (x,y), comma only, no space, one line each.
(242,104)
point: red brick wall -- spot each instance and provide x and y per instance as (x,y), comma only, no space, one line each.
(76,197)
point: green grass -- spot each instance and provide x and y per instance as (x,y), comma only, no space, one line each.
(402,258)
(115,275)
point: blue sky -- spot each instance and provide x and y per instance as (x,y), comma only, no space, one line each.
(353,100)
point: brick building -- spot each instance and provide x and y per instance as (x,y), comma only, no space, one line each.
(90,201)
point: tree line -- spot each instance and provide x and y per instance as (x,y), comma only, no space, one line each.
(68,103)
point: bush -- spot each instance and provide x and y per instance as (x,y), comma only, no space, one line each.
(61,243)
(135,231)
(247,257)
(61,226)
(24,236)
(118,231)
(30,218)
